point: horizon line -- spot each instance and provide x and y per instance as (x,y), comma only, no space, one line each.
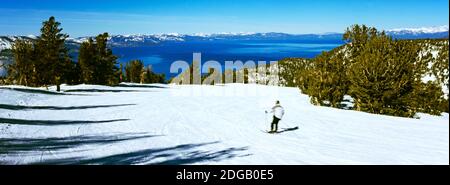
(441,28)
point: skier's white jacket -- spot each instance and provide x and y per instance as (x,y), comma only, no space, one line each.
(278,111)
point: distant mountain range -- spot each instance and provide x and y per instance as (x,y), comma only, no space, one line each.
(420,33)
(152,39)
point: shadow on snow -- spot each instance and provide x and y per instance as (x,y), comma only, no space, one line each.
(54,122)
(177,155)
(35,91)
(102,90)
(20,145)
(287,129)
(22,107)
(140,86)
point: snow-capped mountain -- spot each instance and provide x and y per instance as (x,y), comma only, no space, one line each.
(131,40)
(420,33)
(417,31)
(7,41)
(152,39)
(4,44)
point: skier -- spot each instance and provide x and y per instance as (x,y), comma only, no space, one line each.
(278,112)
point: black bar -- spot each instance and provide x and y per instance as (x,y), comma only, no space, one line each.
(234,174)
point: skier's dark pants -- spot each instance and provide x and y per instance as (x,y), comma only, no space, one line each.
(274,126)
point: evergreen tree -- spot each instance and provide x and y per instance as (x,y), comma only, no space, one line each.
(106,71)
(151,77)
(87,61)
(440,68)
(327,83)
(428,98)
(121,75)
(22,69)
(134,70)
(246,81)
(53,58)
(292,71)
(97,62)
(357,36)
(382,77)
(73,74)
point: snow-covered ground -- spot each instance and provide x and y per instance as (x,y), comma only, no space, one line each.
(222,124)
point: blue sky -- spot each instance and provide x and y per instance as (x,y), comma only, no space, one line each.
(90,17)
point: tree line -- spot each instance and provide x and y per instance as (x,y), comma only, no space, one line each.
(382,75)
(46,61)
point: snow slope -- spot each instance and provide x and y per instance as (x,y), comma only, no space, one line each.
(222,124)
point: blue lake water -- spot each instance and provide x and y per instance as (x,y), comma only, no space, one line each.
(161,56)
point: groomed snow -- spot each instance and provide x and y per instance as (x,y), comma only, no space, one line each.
(168,124)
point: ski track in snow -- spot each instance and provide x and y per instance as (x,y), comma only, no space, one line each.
(160,126)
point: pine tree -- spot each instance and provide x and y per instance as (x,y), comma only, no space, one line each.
(121,75)
(22,70)
(151,77)
(358,36)
(73,74)
(382,77)
(52,54)
(440,68)
(97,62)
(106,62)
(327,83)
(246,74)
(134,70)
(87,61)
(428,98)
(292,71)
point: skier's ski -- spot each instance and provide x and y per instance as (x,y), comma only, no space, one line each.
(267,131)
(281,131)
